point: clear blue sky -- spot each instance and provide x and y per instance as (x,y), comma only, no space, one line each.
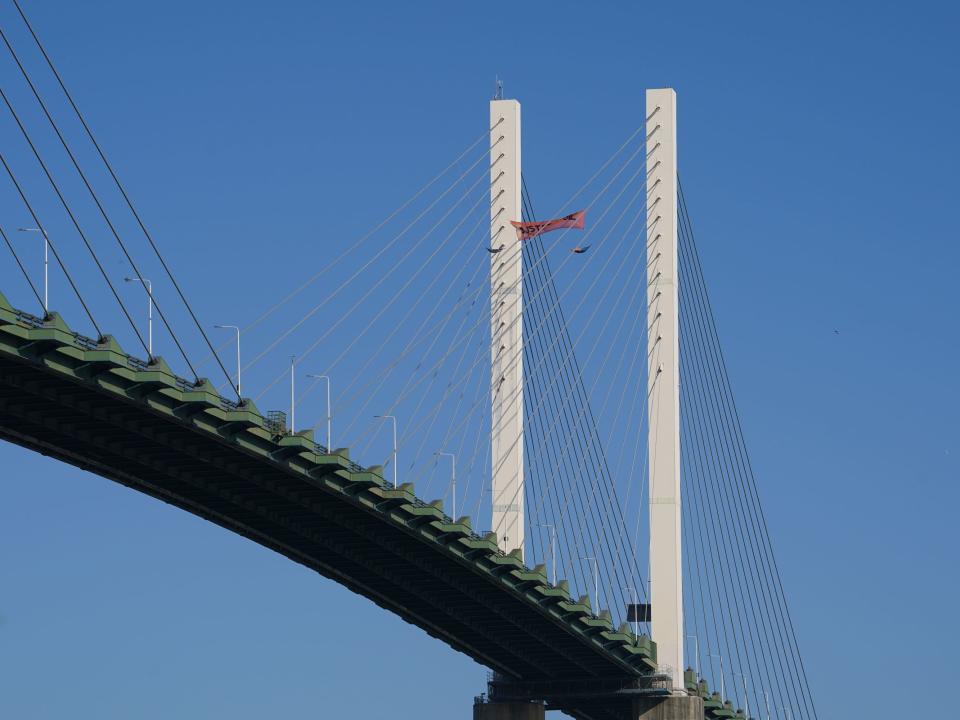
(819,150)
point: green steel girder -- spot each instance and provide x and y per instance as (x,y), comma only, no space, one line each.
(93,406)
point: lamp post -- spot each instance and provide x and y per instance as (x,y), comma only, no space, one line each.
(149,288)
(723,691)
(391,417)
(46,253)
(596,584)
(746,693)
(293,400)
(633,604)
(766,703)
(237,330)
(553,550)
(453,480)
(329,416)
(696,648)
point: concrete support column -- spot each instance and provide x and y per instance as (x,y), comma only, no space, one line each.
(484,710)
(506,331)
(675,707)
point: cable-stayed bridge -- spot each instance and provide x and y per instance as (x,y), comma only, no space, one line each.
(555,382)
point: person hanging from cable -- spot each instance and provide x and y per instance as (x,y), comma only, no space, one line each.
(580,249)
(494,251)
(528,230)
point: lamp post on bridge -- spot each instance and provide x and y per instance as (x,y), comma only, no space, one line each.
(746,693)
(766,703)
(394,460)
(329,416)
(696,646)
(293,400)
(148,286)
(453,481)
(46,274)
(596,584)
(553,551)
(237,329)
(723,689)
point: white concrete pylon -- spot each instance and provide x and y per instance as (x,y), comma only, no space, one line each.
(506,329)
(663,389)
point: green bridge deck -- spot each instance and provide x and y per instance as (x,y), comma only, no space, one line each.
(90,404)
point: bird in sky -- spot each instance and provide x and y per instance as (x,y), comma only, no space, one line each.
(494,252)
(580,250)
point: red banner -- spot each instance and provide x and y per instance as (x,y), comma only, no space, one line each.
(527,230)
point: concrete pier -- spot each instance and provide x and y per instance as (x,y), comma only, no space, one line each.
(510,710)
(676,707)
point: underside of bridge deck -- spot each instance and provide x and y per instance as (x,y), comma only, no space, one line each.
(89,405)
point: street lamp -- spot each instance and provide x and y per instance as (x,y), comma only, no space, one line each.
(324,377)
(237,330)
(391,417)
(723,692)
(553,550)
(696,647)
(293,400)
(596,584)
(149,288)
(746,693)
(453,480)
(633,604)
(46,252)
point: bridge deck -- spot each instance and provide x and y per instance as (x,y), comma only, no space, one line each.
(91,405)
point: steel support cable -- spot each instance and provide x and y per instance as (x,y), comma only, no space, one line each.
(440,328)
(416,338)
(119,185)
(720,560)
(73,219)
(584,295)
(26,275)
(796,659)
(565,335)
(606,510)
(580,431)
(96,200)
(748,478)
(453,346)
(716,392)
(316,308)
(577,533)
(512,361)
(733,557)
(622,213)
(397,326)
(693,503)
(432,415)
(693,592)
(344,316)
(53,248)
(532,344)
(436,371)
(410,280)
(358,243)
(561,235)
(579,436)
(735,508)
(554,407)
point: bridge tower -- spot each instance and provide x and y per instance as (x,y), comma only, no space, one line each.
(663,389)
(506,331)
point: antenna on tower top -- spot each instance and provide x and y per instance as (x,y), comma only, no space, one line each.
(498,95)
